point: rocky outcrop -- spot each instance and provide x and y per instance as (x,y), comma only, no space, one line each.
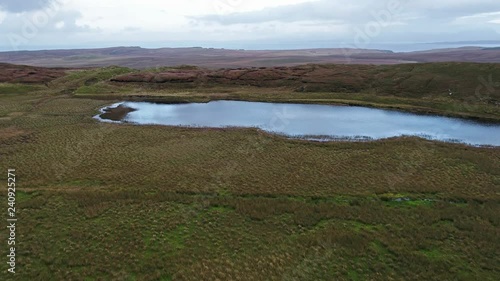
(329,77)
(409,80)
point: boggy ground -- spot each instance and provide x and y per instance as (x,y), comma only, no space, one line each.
(101,201)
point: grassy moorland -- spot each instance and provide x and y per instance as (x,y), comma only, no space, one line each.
(102,201)
(142,58)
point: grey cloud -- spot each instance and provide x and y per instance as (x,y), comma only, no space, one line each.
(69,18)
(23,30)
(19,23)
(18,6)
(320,10)
(354,12)
(446,9)
(325,22)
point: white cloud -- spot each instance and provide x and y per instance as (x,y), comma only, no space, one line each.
(480,15)
(3,15)
(60,25)
(156,15)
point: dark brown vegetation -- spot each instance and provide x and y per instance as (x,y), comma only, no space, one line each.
(28,74)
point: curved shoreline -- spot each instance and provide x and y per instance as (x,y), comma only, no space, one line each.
(404,108)
(117,112)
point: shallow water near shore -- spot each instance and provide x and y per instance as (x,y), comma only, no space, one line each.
(308,121)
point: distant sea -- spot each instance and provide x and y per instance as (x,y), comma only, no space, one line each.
(292,45)
(395,47)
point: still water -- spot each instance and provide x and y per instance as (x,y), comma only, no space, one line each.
(316,122)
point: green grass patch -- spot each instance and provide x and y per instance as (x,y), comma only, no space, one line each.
(89,81)
(353,275)
(359,226)
(420,203)
(220,209)
(409,203)
(98,88)
(379,248)
(176,238)
(24,196)
(15,89)
(433,254)
(82,183)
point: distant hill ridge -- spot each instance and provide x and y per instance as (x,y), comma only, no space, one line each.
(141,58)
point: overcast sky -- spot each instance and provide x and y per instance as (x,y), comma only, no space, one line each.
(36,24)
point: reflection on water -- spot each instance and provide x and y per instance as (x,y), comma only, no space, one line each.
(320,122)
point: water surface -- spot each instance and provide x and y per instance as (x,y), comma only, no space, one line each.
(320,122)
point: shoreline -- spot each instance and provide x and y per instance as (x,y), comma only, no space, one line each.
(117,112)
(404,108)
